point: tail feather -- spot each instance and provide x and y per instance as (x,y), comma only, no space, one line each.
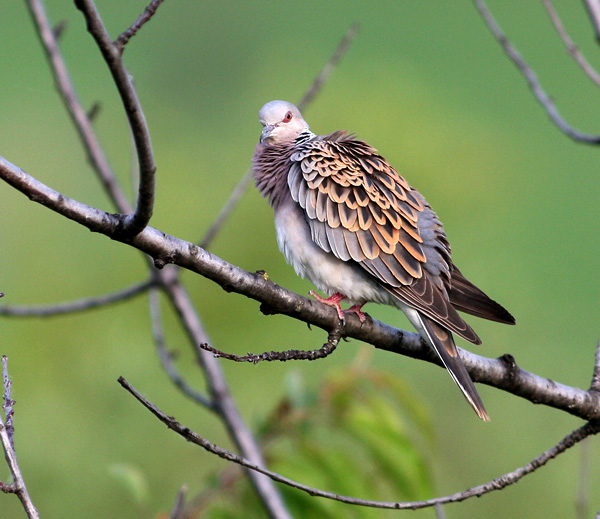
(442,342)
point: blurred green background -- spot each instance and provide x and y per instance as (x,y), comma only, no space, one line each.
(426,84)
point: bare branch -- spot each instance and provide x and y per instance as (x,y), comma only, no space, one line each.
(327,349)
(125,36)
(315,87)
(18,486)
(234,198)
(595,385)
(496,484)
(572,49)
(330,66)
(531,77)
(135,222)
(593,7)
(7,402)
(79,305)
(79,117)
(165,356)
(501,373)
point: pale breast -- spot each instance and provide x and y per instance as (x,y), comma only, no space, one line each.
(323,269)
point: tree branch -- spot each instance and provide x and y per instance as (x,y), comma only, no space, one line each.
(79,305)
(572,49)
(324,351)
(496,484)
(322,77)
(501,373)
(125,36)
(532,79)
(133,223)
(595,385)
(18,486)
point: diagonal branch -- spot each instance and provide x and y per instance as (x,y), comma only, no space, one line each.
(532,79)
(501,373)
(125,36)
(324,351)
(79,305)
(340,51)
(135,222)
(496,484)
(572,49)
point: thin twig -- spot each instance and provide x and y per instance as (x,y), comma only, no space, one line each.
(531,77)
(595,385)
(133,223)
(178,511)
(322,77)
(125,36)
(227,478)
(232,202)
(18,486)
(327,349)
(572,49)
(316,86)
(165,356)
(79,117)
(498,483)
(80,305)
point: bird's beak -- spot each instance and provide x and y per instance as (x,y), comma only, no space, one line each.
(266,133)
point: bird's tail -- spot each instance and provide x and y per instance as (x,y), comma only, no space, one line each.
(442,342)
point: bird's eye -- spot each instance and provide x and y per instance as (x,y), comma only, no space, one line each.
(288,117)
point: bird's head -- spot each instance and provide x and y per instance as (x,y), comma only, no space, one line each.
(282,122)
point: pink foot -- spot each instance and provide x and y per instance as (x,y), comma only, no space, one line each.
(356,309)
(334,301)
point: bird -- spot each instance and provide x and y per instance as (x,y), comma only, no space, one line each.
(348,222)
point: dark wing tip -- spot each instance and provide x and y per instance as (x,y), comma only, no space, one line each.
(466,297)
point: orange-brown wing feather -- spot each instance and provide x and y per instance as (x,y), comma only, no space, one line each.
(359,208)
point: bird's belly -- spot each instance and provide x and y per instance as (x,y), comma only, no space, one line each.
(328,273)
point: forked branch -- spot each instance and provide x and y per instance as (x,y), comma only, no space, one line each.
(532,79)
(133,223)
